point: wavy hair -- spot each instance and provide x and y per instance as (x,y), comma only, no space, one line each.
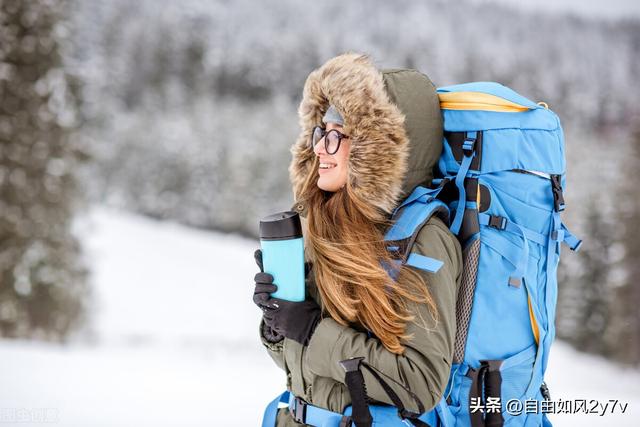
(345,237)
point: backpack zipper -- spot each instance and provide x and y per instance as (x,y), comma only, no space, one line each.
(532,172)
(478,101)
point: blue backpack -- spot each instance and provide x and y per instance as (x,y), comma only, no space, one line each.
(503,174)
(502,177)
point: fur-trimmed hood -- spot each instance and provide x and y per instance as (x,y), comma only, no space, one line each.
(392,117)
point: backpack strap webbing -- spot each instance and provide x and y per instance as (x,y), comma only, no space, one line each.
(469,152)
(359,399)
(409,218)
(485,394)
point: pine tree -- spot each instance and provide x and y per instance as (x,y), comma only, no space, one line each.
(42,280)
(594,285)
(625,332)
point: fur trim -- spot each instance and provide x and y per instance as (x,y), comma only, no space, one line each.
(379,143)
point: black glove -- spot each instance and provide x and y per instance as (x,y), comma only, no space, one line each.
(294,320)
(261,294)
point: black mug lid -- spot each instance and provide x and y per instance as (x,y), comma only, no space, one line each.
(280,226)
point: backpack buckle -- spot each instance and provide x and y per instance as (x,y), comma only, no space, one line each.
(298,410)
(468,146)
(556,188)
(544,389)
(498,222)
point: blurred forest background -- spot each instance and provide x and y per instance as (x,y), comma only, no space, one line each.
(185,110)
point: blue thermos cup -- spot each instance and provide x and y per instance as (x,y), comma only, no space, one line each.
(283,254)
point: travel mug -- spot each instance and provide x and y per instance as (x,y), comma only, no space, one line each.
(283,254)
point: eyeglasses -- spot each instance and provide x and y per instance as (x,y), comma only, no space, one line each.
(332,139)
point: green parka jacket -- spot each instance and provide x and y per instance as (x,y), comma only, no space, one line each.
(393,119)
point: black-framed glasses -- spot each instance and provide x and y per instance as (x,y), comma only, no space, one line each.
(332,139)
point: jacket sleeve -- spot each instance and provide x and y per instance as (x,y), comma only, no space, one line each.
(275,350)
(425,365)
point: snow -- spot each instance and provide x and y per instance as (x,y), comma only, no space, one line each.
(573,375)
(173,341)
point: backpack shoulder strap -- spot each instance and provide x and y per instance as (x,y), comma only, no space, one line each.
(409,218)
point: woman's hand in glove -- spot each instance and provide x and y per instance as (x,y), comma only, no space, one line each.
(294,320)
(261,294)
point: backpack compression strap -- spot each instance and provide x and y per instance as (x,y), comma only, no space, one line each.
(469,152)
(354,379)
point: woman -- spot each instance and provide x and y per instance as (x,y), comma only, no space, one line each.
(368,138)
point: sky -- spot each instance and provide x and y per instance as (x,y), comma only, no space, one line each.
(610,9)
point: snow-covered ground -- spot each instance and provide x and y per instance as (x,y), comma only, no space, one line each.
(174,341)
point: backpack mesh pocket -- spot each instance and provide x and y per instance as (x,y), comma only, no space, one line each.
(464,304)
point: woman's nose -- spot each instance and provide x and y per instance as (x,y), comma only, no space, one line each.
(319,147)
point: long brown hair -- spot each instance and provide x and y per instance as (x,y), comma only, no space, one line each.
(345,236)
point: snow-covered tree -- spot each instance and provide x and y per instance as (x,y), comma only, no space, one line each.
(42,280)
(624,333)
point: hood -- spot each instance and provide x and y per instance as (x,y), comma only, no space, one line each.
(392,118)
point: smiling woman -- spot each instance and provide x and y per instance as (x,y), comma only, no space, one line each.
(332,148)
(368,138)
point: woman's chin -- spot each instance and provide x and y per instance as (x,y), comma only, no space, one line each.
(328,185)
